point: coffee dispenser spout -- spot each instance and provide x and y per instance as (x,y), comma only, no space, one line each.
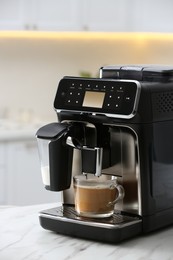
(99,156)
(92,160)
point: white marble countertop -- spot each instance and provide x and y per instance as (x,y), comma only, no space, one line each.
(22,238)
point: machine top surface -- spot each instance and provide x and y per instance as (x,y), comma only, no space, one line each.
(147,73)
(113,98)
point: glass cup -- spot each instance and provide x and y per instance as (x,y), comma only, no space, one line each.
(96,196)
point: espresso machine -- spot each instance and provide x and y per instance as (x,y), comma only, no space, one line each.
(120,124)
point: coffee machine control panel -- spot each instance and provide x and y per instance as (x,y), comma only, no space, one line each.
(113,98)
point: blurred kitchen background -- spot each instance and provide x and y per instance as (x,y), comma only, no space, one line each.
(40,42)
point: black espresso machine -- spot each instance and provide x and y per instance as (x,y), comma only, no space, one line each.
(119,124)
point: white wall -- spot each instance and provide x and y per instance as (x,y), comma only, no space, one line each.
(31,67)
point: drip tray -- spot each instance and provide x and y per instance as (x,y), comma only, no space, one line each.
(64,220)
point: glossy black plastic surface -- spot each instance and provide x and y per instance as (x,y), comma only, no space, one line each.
(64,220)
(96,95)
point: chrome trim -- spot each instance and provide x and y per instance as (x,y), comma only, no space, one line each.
(138,177)
(136,102)
(99,156)
(126,171)
(70,142)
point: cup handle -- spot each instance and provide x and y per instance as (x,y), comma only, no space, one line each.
(121,194)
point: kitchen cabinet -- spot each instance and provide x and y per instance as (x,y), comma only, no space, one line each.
(13,14)
(70,15)
(108,15)
(128,16)
(44,15)
(21,182)
(87,15)
(153,16)
(57,15)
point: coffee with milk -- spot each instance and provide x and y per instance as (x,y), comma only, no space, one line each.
(96,197)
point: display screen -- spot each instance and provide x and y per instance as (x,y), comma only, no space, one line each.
(93,99)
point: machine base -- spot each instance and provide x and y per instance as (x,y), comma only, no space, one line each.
(64,220)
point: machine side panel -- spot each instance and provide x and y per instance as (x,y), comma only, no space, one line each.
(162,165)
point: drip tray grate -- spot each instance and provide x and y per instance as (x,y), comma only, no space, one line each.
(68,213)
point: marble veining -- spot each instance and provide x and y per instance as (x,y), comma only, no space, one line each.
(22,238)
